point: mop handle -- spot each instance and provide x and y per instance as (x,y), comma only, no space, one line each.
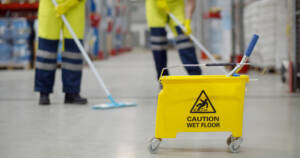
(247,54)
(251,46)
(83,52)
(194,39)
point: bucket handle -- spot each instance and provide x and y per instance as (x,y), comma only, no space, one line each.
(200,65)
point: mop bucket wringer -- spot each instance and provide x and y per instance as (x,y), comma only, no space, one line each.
(202,103)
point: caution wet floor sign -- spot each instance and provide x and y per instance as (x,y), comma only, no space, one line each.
(203,104)
(200,104)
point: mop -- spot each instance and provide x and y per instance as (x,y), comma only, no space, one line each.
(246,55)
(113,103)
(194,39)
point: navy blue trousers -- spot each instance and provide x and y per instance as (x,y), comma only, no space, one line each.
(184,45)
(46,66)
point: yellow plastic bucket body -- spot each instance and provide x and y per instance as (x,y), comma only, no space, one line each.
(204,103)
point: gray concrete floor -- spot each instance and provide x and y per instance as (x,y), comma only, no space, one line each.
(271,117)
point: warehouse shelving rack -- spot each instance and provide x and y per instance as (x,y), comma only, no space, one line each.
(19,6)
(296,55)
(25,10)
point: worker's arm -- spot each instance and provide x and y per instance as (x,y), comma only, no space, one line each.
(66,6)
(189,11)
(190,7)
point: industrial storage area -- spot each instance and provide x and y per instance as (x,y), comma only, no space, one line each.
(149,78)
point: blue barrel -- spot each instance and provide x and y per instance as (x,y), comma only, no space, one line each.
(5,51)
(21,52)
(5,31)
(20,29)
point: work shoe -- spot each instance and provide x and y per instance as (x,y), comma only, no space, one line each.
(74,98)
(44,99)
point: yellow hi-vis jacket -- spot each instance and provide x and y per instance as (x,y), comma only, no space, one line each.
(159,18)
(49,25)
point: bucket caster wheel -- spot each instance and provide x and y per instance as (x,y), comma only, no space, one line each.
(153,145)
(234,144)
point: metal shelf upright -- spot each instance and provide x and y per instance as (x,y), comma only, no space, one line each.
(296,57)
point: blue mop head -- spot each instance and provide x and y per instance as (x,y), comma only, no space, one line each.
(112,105)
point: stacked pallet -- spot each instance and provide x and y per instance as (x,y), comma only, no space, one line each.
(14,48)
(267,18)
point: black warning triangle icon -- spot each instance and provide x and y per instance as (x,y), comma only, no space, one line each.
(203,104)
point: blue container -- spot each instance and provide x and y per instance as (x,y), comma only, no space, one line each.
(5,31)
(5,51)
(21,52)
(20,29)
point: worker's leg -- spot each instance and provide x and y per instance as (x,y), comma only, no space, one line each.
(48,33)
(71,67)
(156,20)
(71,57)
(72,62)
(183,44)
(187,52)
(45,65)
(159,44)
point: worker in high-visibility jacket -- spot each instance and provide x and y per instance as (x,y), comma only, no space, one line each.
(157,18)
(50,26)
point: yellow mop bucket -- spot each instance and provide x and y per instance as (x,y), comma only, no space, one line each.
(200,104)
(207,103)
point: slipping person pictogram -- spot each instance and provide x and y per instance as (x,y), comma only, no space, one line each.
(203,104)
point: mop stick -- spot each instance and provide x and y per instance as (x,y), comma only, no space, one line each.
(247,54)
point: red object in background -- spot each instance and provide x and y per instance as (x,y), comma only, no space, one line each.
(95,19)
(100,55)
(19,6)
(212,15)
(26,10)
(244,70)
(123,50)
(113,52)
(291,77)
(109,26)
(203,56)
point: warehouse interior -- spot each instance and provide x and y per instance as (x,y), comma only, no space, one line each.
(117,40)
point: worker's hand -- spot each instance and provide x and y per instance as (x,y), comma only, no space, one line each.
(163,5)
(66,6)
(187,26)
